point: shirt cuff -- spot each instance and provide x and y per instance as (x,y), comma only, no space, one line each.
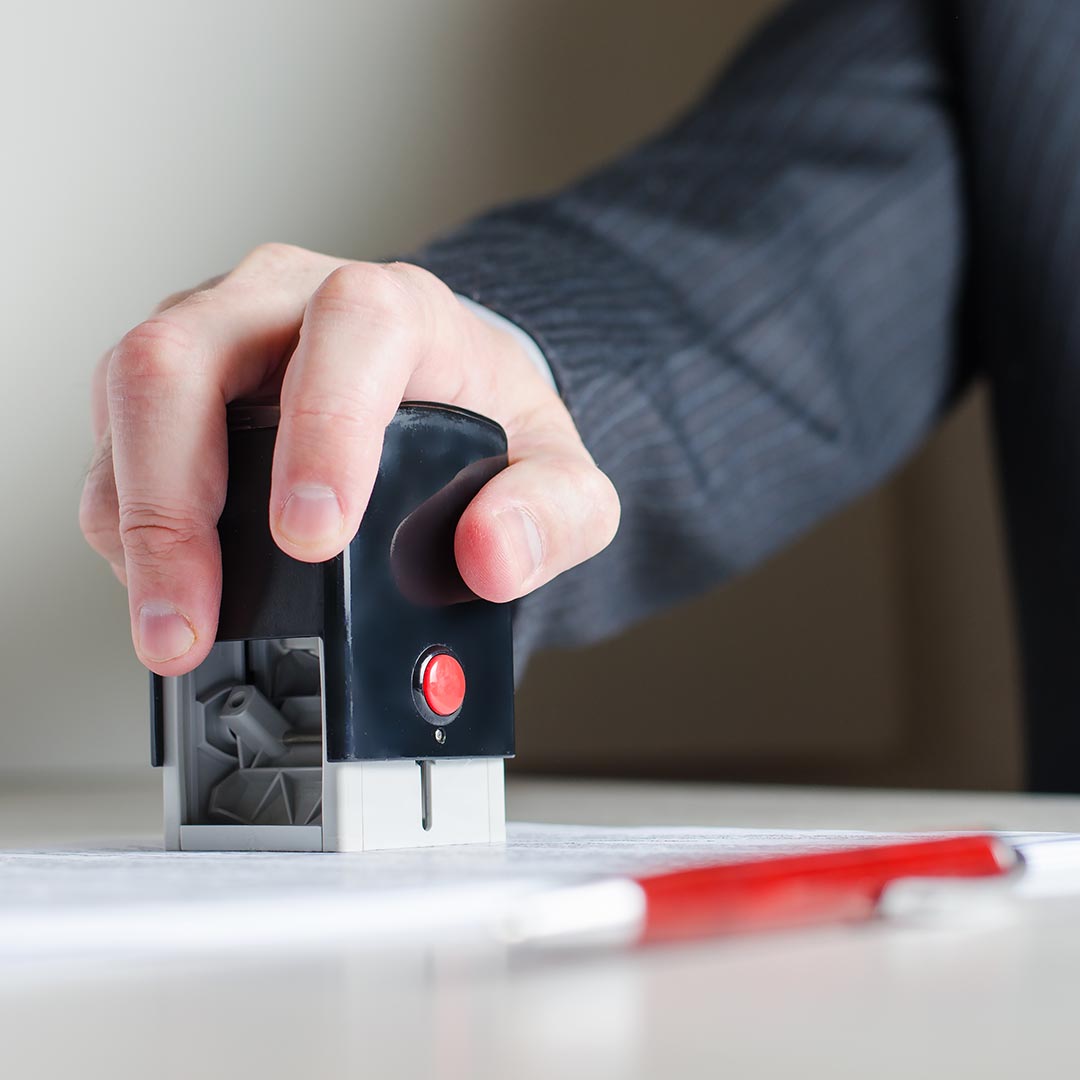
(532,350)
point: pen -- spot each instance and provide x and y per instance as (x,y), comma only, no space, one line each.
(755,894)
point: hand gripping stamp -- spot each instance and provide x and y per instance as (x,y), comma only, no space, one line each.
(357,704)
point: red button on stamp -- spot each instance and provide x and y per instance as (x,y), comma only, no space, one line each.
(443,684)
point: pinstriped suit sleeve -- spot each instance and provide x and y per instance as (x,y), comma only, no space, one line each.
(751,316)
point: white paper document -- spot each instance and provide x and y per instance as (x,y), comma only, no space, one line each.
(146,900)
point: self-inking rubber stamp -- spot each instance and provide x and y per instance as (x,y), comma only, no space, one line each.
(361,703)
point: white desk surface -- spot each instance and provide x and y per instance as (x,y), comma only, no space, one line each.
(874,1001)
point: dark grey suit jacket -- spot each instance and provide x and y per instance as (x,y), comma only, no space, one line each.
(759,314)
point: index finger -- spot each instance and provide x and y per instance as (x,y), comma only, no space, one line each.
(99,402)
(168,383)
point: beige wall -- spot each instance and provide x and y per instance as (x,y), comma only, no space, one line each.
(148,145)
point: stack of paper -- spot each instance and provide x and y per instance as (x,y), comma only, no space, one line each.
(72,902)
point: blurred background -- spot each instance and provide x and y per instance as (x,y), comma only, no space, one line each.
(149,145)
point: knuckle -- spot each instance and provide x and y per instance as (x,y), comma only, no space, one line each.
(602,499)
(277,267)
(274,255)
(431,297)
(105,541)
(98,522)
(369,291)
(594,497)
(572,475)
(204,293)
(148,544)
(173,299)
(341,415)
(98,516)
(150,536)
(610,509)
(99,489)
(155,349)
(414,277)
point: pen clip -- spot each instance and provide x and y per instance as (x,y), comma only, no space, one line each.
(955,901)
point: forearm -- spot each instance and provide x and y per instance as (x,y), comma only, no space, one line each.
(750,318)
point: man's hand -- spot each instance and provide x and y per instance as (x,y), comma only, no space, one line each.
(344,343)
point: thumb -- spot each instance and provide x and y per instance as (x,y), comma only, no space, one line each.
(550,510)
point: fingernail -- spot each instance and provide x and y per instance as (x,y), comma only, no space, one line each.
(164,632)
(311,514)
(524,540)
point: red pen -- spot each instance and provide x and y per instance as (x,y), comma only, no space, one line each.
(755,894)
